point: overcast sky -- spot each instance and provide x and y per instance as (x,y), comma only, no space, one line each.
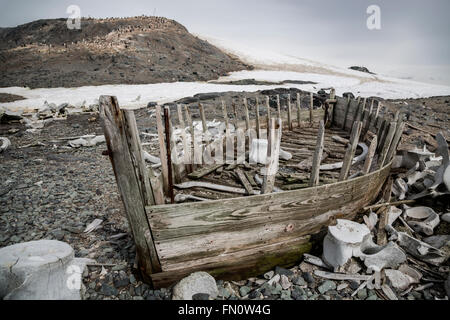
(413,39)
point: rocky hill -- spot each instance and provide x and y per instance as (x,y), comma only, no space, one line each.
(137,50)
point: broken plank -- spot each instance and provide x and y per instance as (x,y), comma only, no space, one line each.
(244,181)
(203,171)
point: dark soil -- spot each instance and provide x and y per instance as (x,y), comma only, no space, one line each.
(139,50)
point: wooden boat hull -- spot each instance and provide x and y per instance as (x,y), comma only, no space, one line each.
(236,238)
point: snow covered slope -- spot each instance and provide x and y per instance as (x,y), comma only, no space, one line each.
(270,66)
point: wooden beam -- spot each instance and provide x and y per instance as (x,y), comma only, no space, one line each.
(162,149)
(395,141)
(317,158)
(268,112)
(350,152)
(278,106)
(289,112)
(169,157)
(132,135)
(258,123)
(387,143)
(243,179)
(346,113)
(247,118)
(123,163)
(186,148)
(299,118)
(191,128)
(203,171)
(311,107)
(202,115)
(370,155)
(273,155)
(236,120)
(225,116)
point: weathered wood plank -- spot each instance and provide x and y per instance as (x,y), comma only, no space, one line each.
(128,183)
(243,179)
(179,220)
(317,158)
(135,147)
(203,171)
(299,109)
(243,264)
(395,141)
(205,233)
(202,115)
(258,122)
(278,107)
(169,152)
(186,148)
(289,112)
(370,155)
(247,118)
(273,154)
(311,107)
(162,149)
(387,143)
(350,152)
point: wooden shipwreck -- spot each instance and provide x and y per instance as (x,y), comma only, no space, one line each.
(242,234)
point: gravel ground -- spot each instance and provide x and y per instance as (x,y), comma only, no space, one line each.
(54,191)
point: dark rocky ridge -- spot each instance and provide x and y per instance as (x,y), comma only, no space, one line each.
(138,50)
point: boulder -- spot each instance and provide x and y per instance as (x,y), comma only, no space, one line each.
(40,270)
(198,282)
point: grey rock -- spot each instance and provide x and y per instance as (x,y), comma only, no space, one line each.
(224,292)
(244,290)
(326,286)
(200,296)
(372,297)
(269,275)
(286,295)
(362,294)
(108,290)
(283,271)
(353,284)
(198,282)
(299,281)
(309,279)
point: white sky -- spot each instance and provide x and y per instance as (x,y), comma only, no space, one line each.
(413,41)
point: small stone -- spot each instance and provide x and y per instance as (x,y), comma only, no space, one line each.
(342,286)
(372,297)
(353,284)
(326,286)
(200,296)
(310,279)
(132,279)
(427,295)
(283,271)
(285,283)
(254,294)
(362,294)
(269,275)
(298,294)
(244,291)
(108,290)
(224,292)
(286,295)
(299,281)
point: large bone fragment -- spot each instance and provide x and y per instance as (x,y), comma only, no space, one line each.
(342,240)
